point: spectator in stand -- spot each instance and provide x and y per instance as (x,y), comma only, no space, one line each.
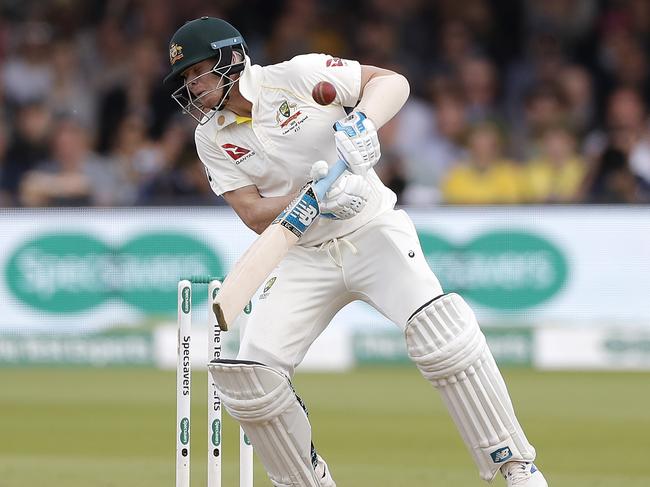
(621,153)
(478,79)
(486,177)
(611,180)
(476,15)
(27,149)
(152,19)
(73,176)
(426,165)
(5,199)
(391,173)
(456,44)
(568,20)
(140,93)
(396,35)
(625,114)
(103,51)
(391,170)
(378,42)
(300,29)
(410,131)
(639,15)
(185,182)
(544,107)
(622,58)
(4,108)
(156,163)
(538,66)
(27,74)
(133,157)
(578,93)
(626,130)
(638,11)
(5,30)
(557,174)
(70,93)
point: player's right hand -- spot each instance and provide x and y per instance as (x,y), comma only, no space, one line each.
(346,198)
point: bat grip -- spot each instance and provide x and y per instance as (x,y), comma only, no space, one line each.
(323,185)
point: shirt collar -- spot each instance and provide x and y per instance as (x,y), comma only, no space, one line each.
(239,120)
(250,81)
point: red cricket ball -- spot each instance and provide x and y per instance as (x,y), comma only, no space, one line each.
(323,93)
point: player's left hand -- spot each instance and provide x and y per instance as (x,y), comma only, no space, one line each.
(357,142)
(346,198)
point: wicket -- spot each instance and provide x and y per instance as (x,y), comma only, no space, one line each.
(183,394)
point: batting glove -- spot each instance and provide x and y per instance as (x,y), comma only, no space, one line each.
(357,142)
(346,198)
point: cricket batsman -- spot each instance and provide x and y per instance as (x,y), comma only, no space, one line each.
(262,137)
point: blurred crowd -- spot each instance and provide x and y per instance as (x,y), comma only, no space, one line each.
(513,101)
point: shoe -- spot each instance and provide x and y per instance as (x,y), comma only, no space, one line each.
(323,473)
(523,474)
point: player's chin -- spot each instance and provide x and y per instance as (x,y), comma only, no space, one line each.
(210,101)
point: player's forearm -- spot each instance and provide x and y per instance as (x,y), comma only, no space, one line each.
(383,96)
(260,214)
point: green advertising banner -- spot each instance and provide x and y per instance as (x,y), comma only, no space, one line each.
(505,269)
(75,272)
(90,269)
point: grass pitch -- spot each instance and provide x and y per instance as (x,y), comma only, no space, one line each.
(376,428)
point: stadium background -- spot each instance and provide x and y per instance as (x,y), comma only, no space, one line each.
(523,157)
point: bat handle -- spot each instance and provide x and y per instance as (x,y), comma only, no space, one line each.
(323,185)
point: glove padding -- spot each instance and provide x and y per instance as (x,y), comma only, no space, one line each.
(357,142)
(346,198)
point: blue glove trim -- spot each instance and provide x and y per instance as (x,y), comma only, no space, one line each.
(350,129)
(323,185)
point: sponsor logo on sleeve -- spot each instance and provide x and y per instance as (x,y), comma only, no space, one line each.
(333,62)
(236,153)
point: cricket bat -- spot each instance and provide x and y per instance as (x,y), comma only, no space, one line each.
(269,249)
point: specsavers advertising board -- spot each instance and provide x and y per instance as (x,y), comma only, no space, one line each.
(92,269)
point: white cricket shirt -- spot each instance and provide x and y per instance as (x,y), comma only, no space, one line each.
(288,133)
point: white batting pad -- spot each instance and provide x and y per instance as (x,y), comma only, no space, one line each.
(266,406)
(446,343)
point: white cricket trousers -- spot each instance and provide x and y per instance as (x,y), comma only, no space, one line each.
(381,263)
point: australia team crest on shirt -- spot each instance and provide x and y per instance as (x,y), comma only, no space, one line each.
(289,117)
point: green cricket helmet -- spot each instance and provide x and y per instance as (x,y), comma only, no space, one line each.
(196,41)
